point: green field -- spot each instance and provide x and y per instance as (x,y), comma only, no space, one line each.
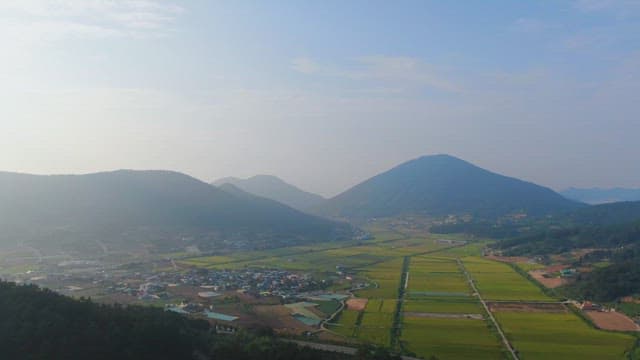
(436,285)
(323,257)
(443,305)
(498,281)
(346,323)
(450,339)
(386,277)
(561,336)
(436,275)
(378,324)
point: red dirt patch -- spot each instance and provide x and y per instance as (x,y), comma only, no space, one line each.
(555,268)
(549,282)
(509,259)
(277,317)
(357,304)
(612,321)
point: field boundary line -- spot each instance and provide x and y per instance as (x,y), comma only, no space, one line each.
(505,341)
(396,327)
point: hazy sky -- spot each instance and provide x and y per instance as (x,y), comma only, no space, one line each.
(323,93)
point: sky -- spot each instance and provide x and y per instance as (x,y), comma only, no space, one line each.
(323,94)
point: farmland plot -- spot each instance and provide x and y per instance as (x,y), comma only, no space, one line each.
(498,281)
(561,336)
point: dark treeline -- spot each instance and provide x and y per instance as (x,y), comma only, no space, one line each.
(609,283)
(618,245)
(612,282)
(41,324)
(485,229)
(566,239)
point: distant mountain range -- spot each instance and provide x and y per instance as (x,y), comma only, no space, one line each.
(146,209)
(274,188)
(603,214)
(602,196)
(440,185)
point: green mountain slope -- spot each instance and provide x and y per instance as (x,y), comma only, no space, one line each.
(441,185)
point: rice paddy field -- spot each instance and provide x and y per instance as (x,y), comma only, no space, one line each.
(322,257)
(450,338)
(561,336)
(346,324)
(441,305)
(437,299)
(434,323)
(376,327)
(498,281)
(436,276)
(386,277)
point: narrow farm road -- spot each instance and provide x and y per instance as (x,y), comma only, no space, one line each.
(506,342)
(335,348)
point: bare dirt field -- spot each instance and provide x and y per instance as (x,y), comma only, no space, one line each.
(612,321)
(357,304)
(277,317)
(445,316)
(527,307)
(509,259)
(550,283)
(555,268)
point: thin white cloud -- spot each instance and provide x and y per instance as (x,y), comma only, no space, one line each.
(403,70)
(618,7)
(305,65)
(387,72)
(57,19)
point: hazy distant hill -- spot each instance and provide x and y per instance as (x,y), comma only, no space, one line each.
(602,196)
(441,185)
(274,188)
(162,208)
(603,214)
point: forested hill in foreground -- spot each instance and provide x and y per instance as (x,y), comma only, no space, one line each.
(274,188)
(158,208)
(442,185)
(39,324)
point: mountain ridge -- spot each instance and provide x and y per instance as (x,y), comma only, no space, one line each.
(442,185)
(274,188)
(126,206)
(598,195)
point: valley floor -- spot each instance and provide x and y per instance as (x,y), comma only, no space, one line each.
(417,293)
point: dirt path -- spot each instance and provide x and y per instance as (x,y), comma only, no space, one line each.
(445,316)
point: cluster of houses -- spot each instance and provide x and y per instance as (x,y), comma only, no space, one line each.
(590,306)
(257,282)
(253,281)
